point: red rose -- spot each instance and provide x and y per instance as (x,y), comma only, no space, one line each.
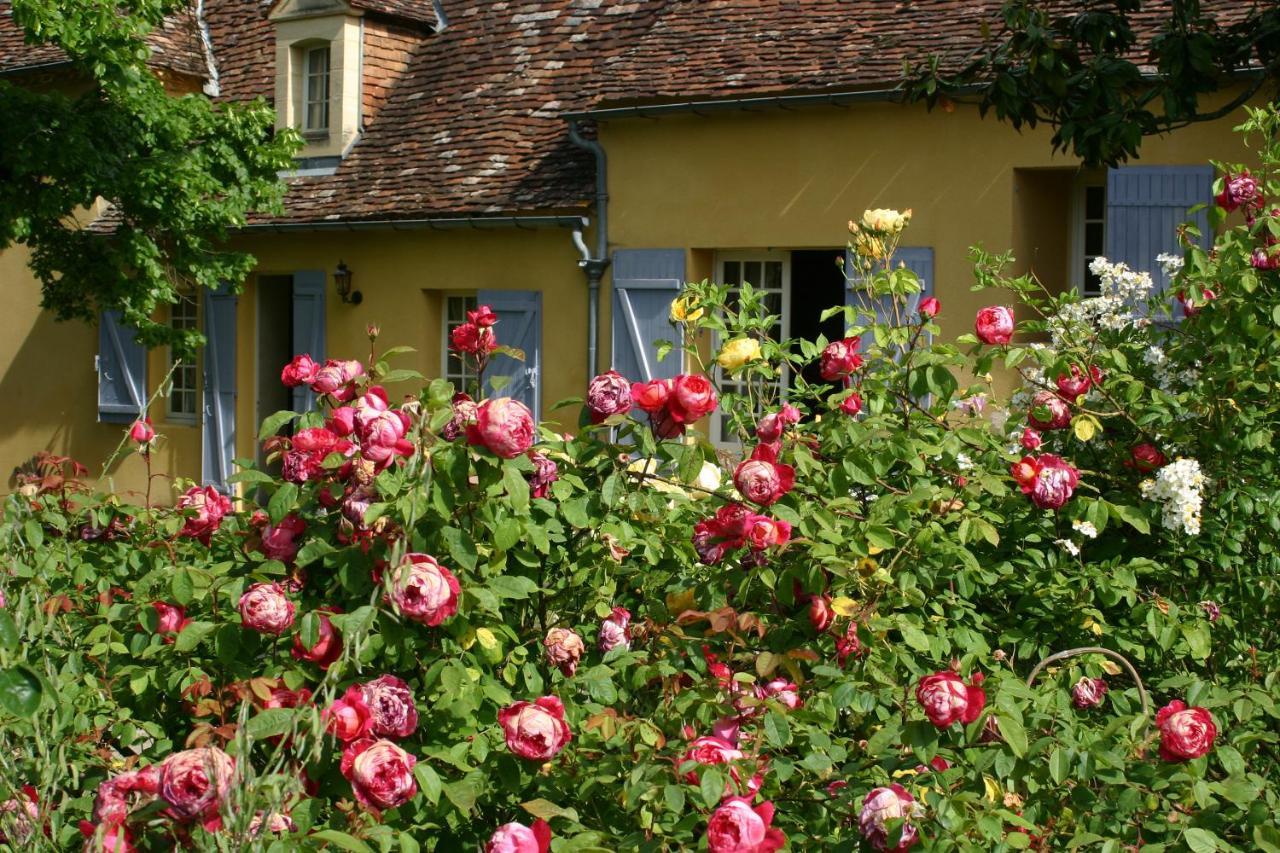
(265,608)
(651,396)
(424,591)
(518,838)
(545,472)
(335,378)
(535,731)
(349,717)
(1075,384)
(762,479)
(564,649)
(1239,190)
(848,645)
(840,359)
(1055,482)
(391,706)
(1185,733)
(738,827)
(786,692)
(504,426)
(1031,439)
(764,532)
(473,340)
(381,773)
(203,509)
(946,699)
(171,619)
(707,751)
(883,805)
(994,325)
(692,398)
(328,647)
(1049,411)
(1088,692)
(142,432)
(195,781)
(483,316)
(300,371)
(278,542)
(852,404)
(1191,309)
(1147,458)
(929,307)
(116,838)
(820,613)
(608,394)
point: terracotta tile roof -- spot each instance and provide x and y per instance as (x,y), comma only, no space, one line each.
(244,47)
(409,10)
(175,45)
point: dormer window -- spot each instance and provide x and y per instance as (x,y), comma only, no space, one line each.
(316,91)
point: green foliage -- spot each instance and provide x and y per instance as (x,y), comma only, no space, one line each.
(905,521)
(177,171)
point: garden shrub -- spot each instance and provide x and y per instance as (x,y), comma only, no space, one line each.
(906,614)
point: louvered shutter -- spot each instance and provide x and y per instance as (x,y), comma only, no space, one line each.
(1145,206)
(645,281)
(219,410)
(918,259)
(122,371)
(308,327)
(519,326)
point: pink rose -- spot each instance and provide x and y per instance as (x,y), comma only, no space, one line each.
(564,650)
(300,371)
(328,647)
(883,805)
(194,782)
(820,613)
(22,814)
(545,472)
(707,751)
(425,591)
(504,426)
(1031,439)
(203,509)
(276,823)
(278,542)
(483,316)
(1191,309)
(608,394)
(1212,611)
(1240,190)
(535,731)
(781,690)
(1055,482)
(852,404)
(518,838)
(615,631)
(772,425)
(111,806)
(1185,733)
(738,827)
(1265,258)
(946,699)
(1088,692)
(848,645)
(307,451)
(381,773)
(171,619)
(381,430)
(764,532)
(692,398)
(390,706)
(762,479)
(265,608)
(1074,384)
(142,432)
(336,377)
(994,325)
(464,415)
(840,359)
(651,396)
(349,717)
(1049,411)
(116,838)
(929,307)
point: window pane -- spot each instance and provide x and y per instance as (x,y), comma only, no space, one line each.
(1095,202)
(732,273)
(1092,283)
(773,275)
(751,273)
(1094,237)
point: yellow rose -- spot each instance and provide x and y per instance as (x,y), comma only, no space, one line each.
(869,246)
(684,309)
(738,352)
(885,221)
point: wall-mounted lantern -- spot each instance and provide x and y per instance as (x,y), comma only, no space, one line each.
(342,281)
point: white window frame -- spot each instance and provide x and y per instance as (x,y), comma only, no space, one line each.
(185,377)
(1078,271)
(308,75)
(462,377)
(747,256)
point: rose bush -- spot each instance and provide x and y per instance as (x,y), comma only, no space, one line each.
(445,627)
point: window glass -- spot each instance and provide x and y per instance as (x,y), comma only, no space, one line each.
(456,369)
(1093,236)
(317,89)
(183,398)
(766,274)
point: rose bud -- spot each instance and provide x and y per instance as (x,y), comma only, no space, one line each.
(349,717)
(171,619)
(737,352)
(279,542)
(203,509)
(142,432)
(725,728)
(994,325)
(764,532)
(266,608)
(852,404)
(840,359)
(505,427)
(300,371)
(1211,610)
(564,650)
(424,591)
(937,763)
(692,398)
(761,479)
(615,631)
(820,613)
(1088,693)
(391,706)
(929,307)
(1191,309)
(380,773)
(1049,411)
(1185,733)
(770,427)
(883,805)
(848,645)
(535,731)
(483,316)
(1147,458)
(738,827)
(518,838)
(1031,439)
(946,699)
(328,647)
(195,781)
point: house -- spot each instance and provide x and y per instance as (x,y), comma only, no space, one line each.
(571,162)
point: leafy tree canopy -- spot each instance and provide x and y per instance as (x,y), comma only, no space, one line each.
(1085,70)
(177,171)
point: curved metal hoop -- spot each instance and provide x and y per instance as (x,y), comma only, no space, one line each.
(1086,650)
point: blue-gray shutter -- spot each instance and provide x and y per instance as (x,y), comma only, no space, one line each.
(1145,206)
(645,281)
(918,259)
(122,371)
(219,411)
(520,327)
(308,327)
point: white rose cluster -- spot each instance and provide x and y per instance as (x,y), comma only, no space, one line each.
(1123,291)
(1179,489)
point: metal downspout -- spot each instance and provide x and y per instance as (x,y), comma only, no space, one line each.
(595,267)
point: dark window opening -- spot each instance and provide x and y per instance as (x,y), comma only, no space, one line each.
(817,283)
